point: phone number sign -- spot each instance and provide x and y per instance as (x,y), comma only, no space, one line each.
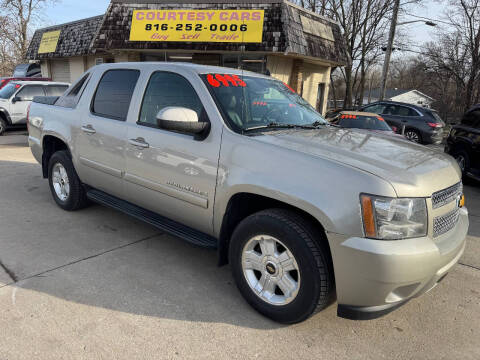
(241,26)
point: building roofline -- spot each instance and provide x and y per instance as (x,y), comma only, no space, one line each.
(53,27)
(310,12)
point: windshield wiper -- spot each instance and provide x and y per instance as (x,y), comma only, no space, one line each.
(318,123)
(275,125)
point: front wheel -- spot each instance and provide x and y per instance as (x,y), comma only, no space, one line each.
(3,126)
(281,265)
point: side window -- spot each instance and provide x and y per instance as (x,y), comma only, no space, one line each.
(404,111)
(55,90)
(29,91)
(114,92)
(376,109)
(167,89)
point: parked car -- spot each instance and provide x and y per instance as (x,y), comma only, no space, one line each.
(28,70)
(463,143)
(421,125)
(16,96)
(364,121)
(5,80)
(303,211)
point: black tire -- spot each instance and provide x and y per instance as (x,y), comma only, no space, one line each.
(77,197)
(3,126)
(414,135)
(309,248)
(462,156)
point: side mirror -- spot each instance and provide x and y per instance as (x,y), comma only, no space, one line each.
(15,99)
(182,120)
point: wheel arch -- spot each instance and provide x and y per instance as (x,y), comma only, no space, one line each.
(50,145)
(243,204)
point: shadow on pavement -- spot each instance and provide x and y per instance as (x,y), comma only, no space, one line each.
(103,258)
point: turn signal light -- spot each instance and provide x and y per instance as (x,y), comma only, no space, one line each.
(462,201)
(368,216)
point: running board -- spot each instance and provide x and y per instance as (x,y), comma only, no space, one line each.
(169,226)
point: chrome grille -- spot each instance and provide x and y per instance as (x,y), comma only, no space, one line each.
(447,195)
(445,223)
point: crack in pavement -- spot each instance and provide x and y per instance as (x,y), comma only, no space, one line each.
(470,266)
(16,279)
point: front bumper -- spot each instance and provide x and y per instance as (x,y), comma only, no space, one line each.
(374,277)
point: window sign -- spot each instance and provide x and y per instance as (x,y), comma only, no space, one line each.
(238,26)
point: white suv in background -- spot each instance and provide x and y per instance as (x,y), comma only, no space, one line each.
(17,95)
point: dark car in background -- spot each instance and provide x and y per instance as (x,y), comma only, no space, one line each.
(28,70)
(364,121)
(463,143)
(418,124)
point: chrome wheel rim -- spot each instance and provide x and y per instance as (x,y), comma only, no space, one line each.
(271,270)
(461,162)
(60,182)
(412,136)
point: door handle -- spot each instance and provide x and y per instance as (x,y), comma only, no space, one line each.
(88,129)
(139,142)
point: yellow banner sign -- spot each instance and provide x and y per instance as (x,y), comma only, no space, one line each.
(49,42)
(241,26)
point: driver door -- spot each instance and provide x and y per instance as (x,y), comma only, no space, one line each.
(171,173)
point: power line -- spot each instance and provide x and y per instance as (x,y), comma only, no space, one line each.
(430,19)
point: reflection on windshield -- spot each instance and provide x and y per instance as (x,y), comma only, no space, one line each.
(7,91)
(262,103)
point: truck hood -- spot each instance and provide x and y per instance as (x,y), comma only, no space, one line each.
(412,169)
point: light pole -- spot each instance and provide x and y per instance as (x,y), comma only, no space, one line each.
(391,36)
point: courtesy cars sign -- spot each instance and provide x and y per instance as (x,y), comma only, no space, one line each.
(241,26)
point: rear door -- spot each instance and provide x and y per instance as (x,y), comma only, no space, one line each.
(404,116)
(101,138)
(18,108)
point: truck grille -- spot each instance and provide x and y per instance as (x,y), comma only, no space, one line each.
(445,223)
(447,195)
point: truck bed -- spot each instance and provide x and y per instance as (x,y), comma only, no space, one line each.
(48,100)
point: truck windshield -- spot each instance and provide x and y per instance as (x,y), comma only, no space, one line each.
(8,90)
(250,102)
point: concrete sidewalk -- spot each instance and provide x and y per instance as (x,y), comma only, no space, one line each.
(99,284)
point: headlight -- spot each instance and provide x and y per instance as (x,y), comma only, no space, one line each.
(393,218)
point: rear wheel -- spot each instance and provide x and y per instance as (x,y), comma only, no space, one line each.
(413,135)
(280,265)
(67,190)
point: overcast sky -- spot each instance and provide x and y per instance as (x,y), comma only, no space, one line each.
(417,33)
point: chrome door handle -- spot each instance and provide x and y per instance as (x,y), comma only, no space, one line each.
(88,129)
(139,143)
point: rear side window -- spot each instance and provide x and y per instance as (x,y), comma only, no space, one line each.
(114,93)
(55,90)
(167,89)
(28,92)
(403,111)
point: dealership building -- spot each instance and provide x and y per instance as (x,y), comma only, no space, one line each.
(273,37)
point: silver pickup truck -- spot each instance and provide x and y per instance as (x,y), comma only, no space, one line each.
(304,212)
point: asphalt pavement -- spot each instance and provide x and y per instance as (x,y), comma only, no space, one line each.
(97,284)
